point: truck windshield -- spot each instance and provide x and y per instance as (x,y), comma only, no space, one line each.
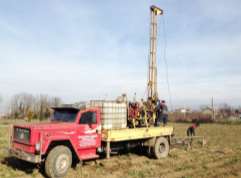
(64,115)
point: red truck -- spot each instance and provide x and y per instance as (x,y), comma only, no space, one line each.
(75,134)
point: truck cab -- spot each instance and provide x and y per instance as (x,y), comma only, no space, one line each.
(70,133)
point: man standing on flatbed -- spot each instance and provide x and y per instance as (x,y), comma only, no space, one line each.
(161,113)
(164,112)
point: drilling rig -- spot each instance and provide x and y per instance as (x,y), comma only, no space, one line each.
(152,70)
(147,109)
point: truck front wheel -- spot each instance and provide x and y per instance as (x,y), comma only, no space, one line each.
(58,161)
(161,148)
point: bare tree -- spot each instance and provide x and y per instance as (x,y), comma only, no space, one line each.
(55,101)
(21,104)
(225,111)
(26,105)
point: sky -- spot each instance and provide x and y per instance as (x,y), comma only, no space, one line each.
(81,50)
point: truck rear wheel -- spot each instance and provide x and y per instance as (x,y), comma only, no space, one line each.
(161,148)
(58,162)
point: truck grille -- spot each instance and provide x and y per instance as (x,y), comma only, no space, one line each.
(22,134)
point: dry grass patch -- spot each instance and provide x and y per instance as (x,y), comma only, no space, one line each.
(221,157)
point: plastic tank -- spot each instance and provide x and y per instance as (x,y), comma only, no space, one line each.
(113,114)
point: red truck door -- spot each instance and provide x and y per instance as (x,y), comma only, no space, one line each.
(88,134)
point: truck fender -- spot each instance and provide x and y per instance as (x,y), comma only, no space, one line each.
(67,142)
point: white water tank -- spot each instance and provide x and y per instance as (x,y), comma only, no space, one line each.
(113,114)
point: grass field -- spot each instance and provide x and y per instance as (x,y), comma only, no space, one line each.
(221,157)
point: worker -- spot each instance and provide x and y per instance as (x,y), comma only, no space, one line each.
(164,112)
(141,103)
(149,108)
(158,113)
(142,108)
(191,129)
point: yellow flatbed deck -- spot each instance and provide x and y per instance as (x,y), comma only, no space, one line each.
(115,135)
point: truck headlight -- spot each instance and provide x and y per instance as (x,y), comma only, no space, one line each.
(37,146)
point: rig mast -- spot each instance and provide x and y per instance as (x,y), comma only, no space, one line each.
(152,72)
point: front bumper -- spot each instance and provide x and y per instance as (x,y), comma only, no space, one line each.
(25,156)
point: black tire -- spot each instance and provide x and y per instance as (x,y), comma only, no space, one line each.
(161,148)
(58,162)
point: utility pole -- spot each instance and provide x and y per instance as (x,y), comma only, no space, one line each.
(152,73)
(213,111)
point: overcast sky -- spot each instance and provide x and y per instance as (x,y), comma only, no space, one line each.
(81,50)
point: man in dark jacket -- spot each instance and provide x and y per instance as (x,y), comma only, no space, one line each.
(164,112)
(158,113)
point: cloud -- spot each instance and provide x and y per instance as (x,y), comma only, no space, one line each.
(79,50)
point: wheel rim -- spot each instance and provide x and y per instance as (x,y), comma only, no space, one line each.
(62,164)
(162,147)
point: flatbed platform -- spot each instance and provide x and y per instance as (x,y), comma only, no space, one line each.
(116,135)
(128,134)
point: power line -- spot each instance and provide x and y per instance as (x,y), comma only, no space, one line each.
(166,63)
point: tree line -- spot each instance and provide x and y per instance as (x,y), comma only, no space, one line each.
(25,105)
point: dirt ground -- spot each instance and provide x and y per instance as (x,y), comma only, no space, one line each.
(221,157)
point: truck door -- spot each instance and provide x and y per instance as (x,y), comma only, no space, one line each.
(89,136)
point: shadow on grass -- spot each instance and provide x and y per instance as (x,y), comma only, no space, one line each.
(139,151)
(17,164)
